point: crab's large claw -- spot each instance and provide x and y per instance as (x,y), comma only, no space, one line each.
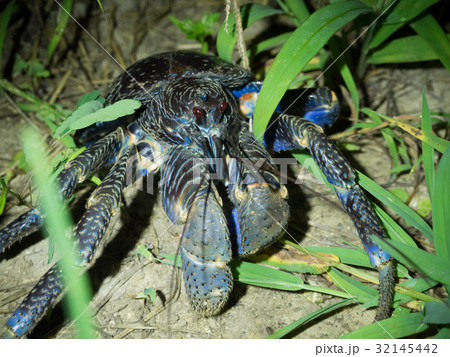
(288,131)
(189,196)
(261,212)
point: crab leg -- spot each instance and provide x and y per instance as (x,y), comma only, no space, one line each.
(189,196)
(101,205)
(75,171)
(292,132)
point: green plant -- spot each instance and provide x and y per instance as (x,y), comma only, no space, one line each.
(198,30)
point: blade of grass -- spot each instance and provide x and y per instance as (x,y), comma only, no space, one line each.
(359,291)
(444,333)
(436,142)
(2,195)
(394,327)
(311,317)
(404,50)
(393,229)
(441,207)
(64,15)
(301,47)
(345,255)
(299,9)
(427,150)
(260,275)
(402,12)
(346,74)
(58,222)
(269,43)
(429,29)
(435,267)
(395,204)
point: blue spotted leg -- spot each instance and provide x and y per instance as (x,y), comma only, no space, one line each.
(89,231)
(290,132)
(75,171)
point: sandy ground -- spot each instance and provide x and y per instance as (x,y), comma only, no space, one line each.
(118,275)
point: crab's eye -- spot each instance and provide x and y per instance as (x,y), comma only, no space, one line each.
(223,106)
(198,112)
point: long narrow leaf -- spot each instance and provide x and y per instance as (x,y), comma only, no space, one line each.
(58,223)
(394,203)
(259,275)
(64,14)
(435,267)
(430,30)
(441,207)
(346,74)
(360,292)
(308,318)
(404,50)
(401,12)
(301,47)
(427,150)
(393,229)
(299,9)
(394,327)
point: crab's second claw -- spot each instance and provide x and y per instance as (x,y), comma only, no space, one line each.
(260,218)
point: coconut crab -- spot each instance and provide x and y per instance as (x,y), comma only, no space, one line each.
(190,129)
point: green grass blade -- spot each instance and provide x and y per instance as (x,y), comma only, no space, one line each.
(269,43)
(394,203)
(58,223)
(299,9)
(429,29)
(3,195)
(437,313)
(260,275)
(441,207)
(249,13)
(404,50)
(308,318)
(359,291)
(346,74)
(345,255)
(436,142)
(64,15)
(394,327)
(401,12)
(435,267)
(427,150)
(393,229)
(301,47)
(444,333)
